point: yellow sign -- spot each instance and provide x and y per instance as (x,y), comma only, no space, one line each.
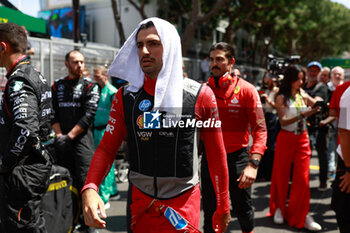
(3,20)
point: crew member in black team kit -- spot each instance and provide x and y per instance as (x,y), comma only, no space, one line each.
(25,115)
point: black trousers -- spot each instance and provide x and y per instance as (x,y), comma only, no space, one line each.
(266,163)
(77,158)
(240,198)
(341,200)
(22,193)
(322,140)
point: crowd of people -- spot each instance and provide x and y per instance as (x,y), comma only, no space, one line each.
(164,116)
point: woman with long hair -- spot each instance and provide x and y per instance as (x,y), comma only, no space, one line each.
(292,147)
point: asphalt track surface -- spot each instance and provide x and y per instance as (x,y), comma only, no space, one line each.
(319,208)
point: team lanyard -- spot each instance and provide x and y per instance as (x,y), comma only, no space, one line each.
(298,103)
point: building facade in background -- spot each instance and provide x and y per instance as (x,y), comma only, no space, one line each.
(96,19)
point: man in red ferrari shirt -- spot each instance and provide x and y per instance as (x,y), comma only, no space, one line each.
(341,195)
(239,108)
(163,159)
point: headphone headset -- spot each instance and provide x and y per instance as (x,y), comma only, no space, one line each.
(3,46)
(223,82)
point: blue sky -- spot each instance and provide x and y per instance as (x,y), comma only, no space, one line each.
(32,7)
(344,2)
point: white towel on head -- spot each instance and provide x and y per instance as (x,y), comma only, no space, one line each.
(169,86)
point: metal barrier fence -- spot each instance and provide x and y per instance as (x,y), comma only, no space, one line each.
(192,68)
(50,55)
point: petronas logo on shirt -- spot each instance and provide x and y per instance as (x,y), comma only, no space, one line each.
(79,87)
(18,86)
(95,90)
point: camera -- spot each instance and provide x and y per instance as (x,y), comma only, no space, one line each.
(276,65)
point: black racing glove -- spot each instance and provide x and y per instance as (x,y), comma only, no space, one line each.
(62,143)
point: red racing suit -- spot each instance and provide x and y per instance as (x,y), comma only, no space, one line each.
(340,202)
(240,107)
(338,92)
(205,108)
(335,100)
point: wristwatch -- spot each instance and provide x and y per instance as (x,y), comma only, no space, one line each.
(255,162)
(347,169)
